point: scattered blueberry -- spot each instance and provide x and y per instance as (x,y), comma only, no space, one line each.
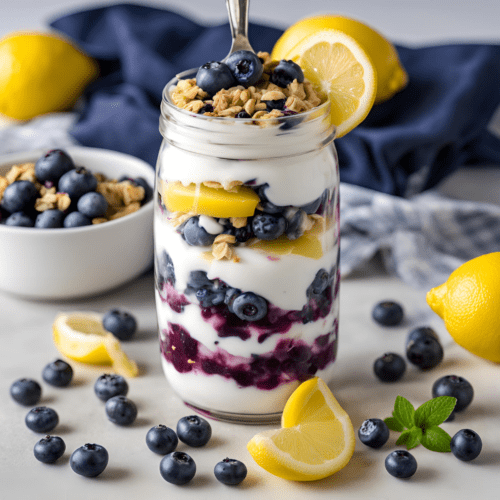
(58,373)
(92,204)
(275,104)
(19,196)
(41,419)
(390,367)
(373,433)
(164,269)
(50,219)
(49,449)
(26,391)
(161,439)
(401,463)
(312,208)
(466,445)
(77,182)
(194,431)
(53,165)
(243,234)
(177,468)
(388,313)
(249,306)
(208,108)
(120,323)
(89,460)
(267,226)
(214,76)
(245,66)
(19,219)
(110,385)
(423,348)
(456,387)
(209,297)
(285,73)
(195,235)
(120,410)
(230,471)
(267,206)
(76,219)
(198,279)
(243,114)
(295,223)
(231,294)
(320,283)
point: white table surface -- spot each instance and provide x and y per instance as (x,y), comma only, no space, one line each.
(25,336)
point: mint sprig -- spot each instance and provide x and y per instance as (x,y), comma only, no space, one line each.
(421,426)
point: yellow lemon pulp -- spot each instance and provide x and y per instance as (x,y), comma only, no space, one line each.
(41,73)
(307,245)
(80,336)
(469,303)
(316,438)
(391,76)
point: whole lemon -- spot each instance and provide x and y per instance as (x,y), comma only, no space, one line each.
(391,76)
(41,73)
(469,303)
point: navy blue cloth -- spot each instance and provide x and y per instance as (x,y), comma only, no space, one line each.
(436,124)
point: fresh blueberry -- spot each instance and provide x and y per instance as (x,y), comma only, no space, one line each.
(245,66)
(19,196)
(424,349)
(320,283)
(388,313)
(207,108)
(120,323)
(312,208)
(267,206)
(58,373)
(26,391)
(92,204)
(19,219)
(177,468)
(198,279)
(161,439)
(165,269)
(456,387)
(243,234)
(230,471)
(466,445)
(89,460)
(194,431)
(120,410)
(296,219)
(421,333)
(268,226)
(209,297)
(110,385)
(77,182)
(214,76)
(76,219)
(285,73)
(401,463)
(53,165)
(390,367)
(249,306)
(243,114)
(195,235)
(373,432)
(231,294)
(49,449)
(50,219)
(41,419)
(278,104)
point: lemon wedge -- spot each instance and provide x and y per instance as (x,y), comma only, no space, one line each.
(80,336)
(315,441)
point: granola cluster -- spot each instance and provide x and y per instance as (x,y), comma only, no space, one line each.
(297,97)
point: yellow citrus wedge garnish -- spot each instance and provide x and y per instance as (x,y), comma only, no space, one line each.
(315,441)
(80,336)
(341,70)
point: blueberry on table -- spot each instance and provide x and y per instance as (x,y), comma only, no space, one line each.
(268,227)
(41,419)
(249,306)
(161,439)
(423,348)
(245,66)
(401,464)
(50,219)
(58,373)
(89,460)
(92,204)
(77,182)
(285,73)
(76,219)
(194,431)
(120,410)
(49,449)
(109,385)
(456,387)
(214,76)
(19,196)
(19,219)
(196,235)
(230,471)
(177,468)
(53,165)
(120,323)
(373,432)
(390,367)
(26,391)
(466,445)
(388,313)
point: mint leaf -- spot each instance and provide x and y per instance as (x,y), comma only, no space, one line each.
(403,439)
(394,425)
(414,438)
(434,412)
(436,439)
(404,412)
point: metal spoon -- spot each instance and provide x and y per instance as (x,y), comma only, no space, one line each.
(238,20)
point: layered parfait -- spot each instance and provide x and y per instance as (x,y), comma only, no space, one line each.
(246,236)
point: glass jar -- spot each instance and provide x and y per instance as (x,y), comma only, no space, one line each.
(246,258)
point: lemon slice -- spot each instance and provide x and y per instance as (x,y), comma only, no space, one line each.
(80,336)
(341,70)
(315,441)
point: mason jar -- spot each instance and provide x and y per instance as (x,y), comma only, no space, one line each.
(246,258)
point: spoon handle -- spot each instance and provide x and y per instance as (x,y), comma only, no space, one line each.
(238,20)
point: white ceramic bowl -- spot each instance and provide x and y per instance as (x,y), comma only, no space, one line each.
(78,262)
